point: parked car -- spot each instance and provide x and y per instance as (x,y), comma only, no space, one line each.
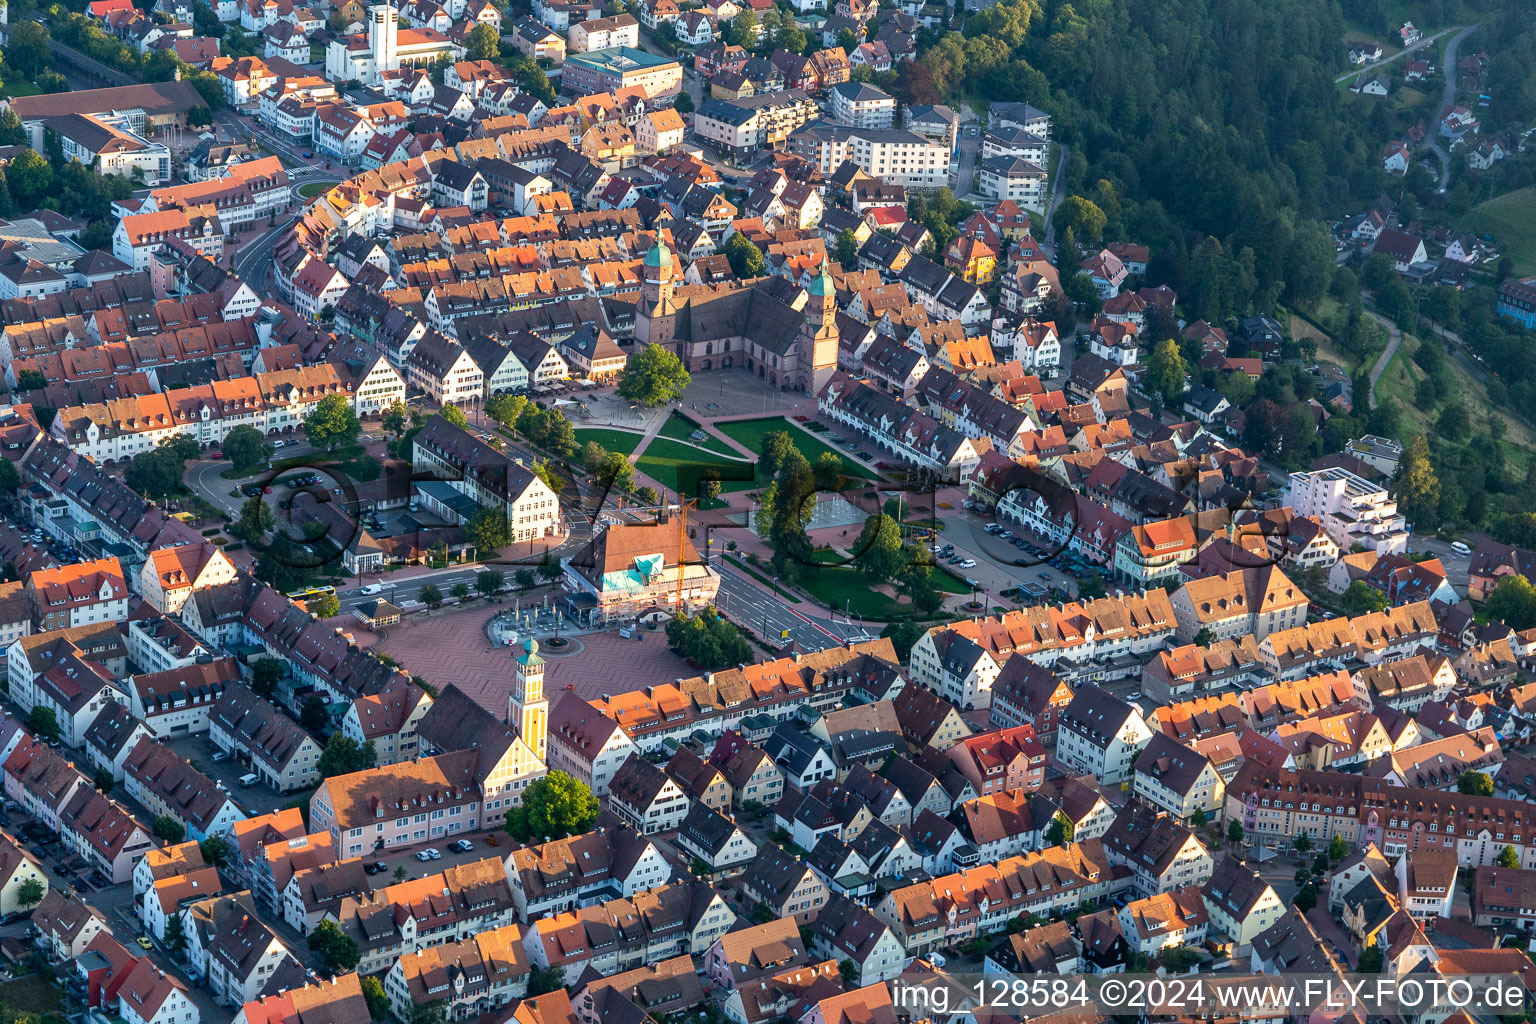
(969,563)
(144,943)
(430,853)
(463,846)
(375,867)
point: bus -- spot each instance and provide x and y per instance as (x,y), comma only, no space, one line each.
(311,592)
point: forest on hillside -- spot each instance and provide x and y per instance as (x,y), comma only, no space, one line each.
(1196,122)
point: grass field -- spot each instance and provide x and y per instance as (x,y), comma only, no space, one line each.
(624,441)
(310,189)
(1511,220)
(751,433)
(662,456)
(846,589)
(944,579)
(678,427)
(1401,379)
(19,87)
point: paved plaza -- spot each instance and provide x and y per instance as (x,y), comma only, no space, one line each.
(450,647)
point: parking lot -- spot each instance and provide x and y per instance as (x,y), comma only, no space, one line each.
(65,866)
(406,863)
(227,771)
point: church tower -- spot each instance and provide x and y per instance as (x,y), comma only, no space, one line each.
(383,39)
(527,710)
(817,344)
(656,317)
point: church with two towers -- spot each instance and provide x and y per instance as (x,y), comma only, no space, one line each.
(779,332)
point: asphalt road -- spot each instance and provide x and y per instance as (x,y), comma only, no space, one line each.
(745,602)
(1447,99)
(968,152)
(203,475)
(403,591)
(254,263)
(1450,58)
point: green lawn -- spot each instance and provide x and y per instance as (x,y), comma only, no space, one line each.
(19,87)
(663,455)
(945,580)
(846,589)
(622,441)
(1511,220)
(310,189)
(751,433)
(679,428)
(1399,382)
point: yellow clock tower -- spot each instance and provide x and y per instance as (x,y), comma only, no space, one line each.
(527,710)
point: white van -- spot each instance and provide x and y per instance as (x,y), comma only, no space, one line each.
(1460,548)
(249,780)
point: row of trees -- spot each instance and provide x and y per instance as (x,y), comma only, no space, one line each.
(786,502)
(708,640)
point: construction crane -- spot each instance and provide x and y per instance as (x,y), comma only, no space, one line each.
(682,546)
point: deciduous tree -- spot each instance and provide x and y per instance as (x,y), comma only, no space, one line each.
(482,43)
(265,675)
(215,850)
(314,715)
(505,409)
(1361,598)
(878,552)
(489,530)
(1418,486)
(1475,783)
(1060,831)
(653,376)
(43,723)
(490,581)
(332,423)
(337,948)
(1165,372)
(246,448)
(31,892)
(1513,602)
(746,259)
(373,995)
(343,756)
(556,806)
(398,416)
